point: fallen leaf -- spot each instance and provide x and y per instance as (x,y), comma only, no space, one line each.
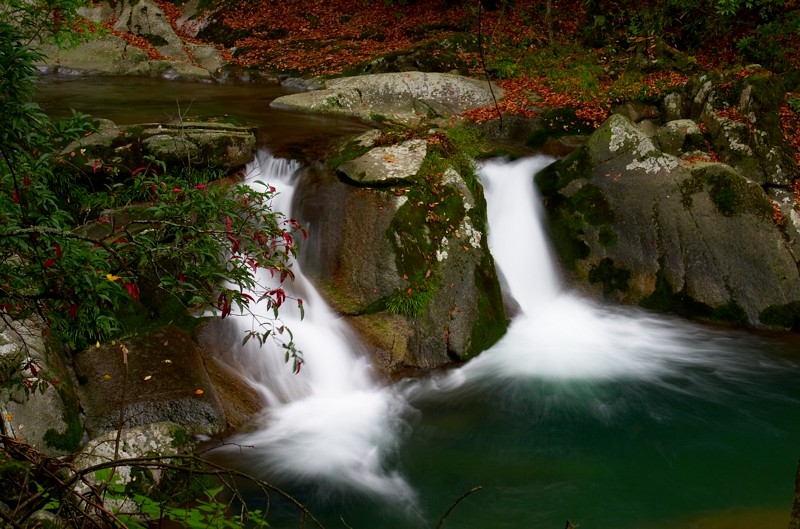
(198,392)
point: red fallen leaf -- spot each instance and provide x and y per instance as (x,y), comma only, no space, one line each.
(176,190)
(73,310)
(201,187)
(133,290)
(58,250)
(49,263)
(15,197)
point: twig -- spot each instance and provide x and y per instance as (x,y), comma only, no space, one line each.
(455,503)
(483,62)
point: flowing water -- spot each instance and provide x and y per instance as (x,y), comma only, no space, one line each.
(612,417)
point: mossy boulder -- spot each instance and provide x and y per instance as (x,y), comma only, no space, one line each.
(113,152)
(112,54)
(683,234)
(406,260)
(741,122)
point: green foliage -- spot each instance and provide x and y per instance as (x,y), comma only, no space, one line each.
(70,439)
(411,302)
(768,44)
(72,256)
(569,69)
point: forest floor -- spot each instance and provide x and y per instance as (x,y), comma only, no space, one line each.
(523,48)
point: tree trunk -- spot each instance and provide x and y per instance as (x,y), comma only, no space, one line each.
(548,20)
(794,523)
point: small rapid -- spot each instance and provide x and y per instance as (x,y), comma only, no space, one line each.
(330,426)
(559,335)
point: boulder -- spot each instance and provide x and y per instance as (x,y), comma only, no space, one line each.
(112,150)
(157,377)
(113,54)
(404,259)
(46,417)
(386,165)
(742,123)
(407,97)
(680,233)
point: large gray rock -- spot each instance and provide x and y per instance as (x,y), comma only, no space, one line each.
(386,165)
(684,234)
(405,97)
(406,260)
(159,377)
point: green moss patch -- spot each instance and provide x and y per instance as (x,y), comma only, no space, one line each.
(610,276)
(729,192)
(492,322)
(69,440)
(783,316)
(569,217)
(665,299)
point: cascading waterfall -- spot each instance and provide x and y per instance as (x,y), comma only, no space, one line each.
(559,335)
(565,365)
(331,425)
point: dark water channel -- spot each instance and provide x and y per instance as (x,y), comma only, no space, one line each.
(614,418)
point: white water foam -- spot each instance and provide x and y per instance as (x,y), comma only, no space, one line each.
(330,426)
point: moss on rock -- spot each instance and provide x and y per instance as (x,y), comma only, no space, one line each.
(785,316)
(610,276)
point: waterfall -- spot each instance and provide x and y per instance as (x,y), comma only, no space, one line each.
(330,426)
(558,334)
(333,429)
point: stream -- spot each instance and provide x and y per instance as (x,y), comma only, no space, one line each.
(614,418)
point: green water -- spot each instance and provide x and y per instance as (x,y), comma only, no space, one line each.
(711,447)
